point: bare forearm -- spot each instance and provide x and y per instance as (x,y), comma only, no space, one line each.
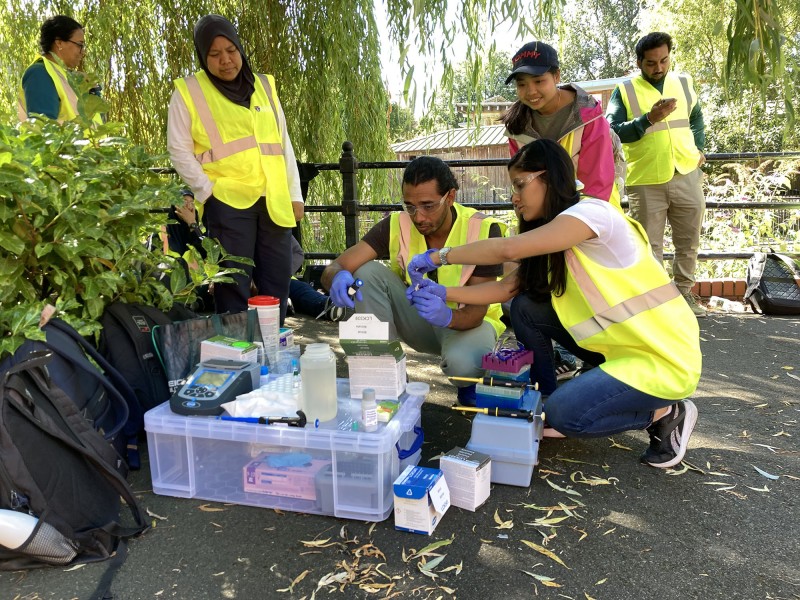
(484,294)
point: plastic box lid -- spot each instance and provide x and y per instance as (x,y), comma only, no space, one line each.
(327,436)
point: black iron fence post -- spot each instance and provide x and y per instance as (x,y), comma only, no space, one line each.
(348,167)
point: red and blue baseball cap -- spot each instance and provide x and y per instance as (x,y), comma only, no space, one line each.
(534,58)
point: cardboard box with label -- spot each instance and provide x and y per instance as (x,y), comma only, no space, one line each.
(229,348)
(468,474)
(373,360)
(421,498)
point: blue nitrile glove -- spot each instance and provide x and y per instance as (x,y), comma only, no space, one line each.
(427,286)
(432,308)
(341,281)
(420,265)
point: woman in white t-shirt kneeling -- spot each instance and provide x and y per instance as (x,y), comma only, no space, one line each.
(612,304)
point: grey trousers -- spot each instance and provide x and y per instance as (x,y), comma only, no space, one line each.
(461,351)
(681,202)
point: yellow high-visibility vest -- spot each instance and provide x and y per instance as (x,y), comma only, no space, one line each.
(666,146)
(636,318)
(240,149)
(68,108)
(405,242)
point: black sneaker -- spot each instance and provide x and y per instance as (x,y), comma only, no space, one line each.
(669,436)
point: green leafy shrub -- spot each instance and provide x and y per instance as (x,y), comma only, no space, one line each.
(75,217)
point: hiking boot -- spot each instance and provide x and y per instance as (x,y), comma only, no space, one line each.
(697,309)
(565,363)
(669,436)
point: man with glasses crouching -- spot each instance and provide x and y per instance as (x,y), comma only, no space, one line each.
(431,219)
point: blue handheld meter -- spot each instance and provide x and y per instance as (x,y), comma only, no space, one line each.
(215,382)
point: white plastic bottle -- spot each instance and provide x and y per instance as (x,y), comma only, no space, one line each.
(369,410)
(15,528)
(318,376)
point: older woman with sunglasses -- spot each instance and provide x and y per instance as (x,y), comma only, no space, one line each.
(45,89)
(612,304)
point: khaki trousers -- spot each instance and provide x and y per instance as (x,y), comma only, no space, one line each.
(680,202)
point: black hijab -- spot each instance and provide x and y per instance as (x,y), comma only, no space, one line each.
(206,30)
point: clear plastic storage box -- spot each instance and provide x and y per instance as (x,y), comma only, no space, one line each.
(328,470)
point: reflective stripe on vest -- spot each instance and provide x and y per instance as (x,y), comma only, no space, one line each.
(68,108)
(666,146)
(240,149)
(470,225)
(636,318)
(220,149)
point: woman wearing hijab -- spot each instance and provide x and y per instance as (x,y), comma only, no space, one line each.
(45,89)
(227,138)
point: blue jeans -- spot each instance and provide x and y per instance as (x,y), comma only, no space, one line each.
(305,299)
(594,404)
(536,325)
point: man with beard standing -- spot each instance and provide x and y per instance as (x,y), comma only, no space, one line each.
(657,117)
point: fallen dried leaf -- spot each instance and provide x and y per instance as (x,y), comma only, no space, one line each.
(295,581)
(318,543)
(543,579)
(502,524)
(545,552)
(767,475)
(155,516)
(579,477)
(764,489)
(782,433)
(75,568)
(617,445)
(560,489)
(209,508)
(427,550)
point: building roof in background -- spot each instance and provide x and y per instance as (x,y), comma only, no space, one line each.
(486,135)
(491,135)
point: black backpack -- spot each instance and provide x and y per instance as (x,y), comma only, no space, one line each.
(98,390)
(773,284)
(57,468)
(126,341)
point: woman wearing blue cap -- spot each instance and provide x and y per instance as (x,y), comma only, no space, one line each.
(563,113)
(227,138)
(568,115)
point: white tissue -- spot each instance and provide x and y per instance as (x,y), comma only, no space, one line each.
(263,403)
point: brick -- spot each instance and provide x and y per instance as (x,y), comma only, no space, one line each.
(716,287)
(739,287)
(705,289)
(728,288)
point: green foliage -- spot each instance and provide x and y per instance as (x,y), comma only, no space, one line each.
(472,83)
(603,50)
(75,216)
(402,125)
(748,230)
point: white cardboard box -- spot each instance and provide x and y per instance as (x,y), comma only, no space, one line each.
(468,474)
(228,348)
(373,360)
(421,498)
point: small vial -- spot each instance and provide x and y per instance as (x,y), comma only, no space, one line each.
(369,410)
(295,374)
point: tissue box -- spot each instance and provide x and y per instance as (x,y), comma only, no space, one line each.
(468,475)
(373,361)
(229,348)
(421,498)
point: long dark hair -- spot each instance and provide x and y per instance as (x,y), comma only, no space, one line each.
(546,275)
(518,116)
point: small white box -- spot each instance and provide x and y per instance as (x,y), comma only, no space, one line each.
(229,348)
(373,360)
(421,498)
(468,475)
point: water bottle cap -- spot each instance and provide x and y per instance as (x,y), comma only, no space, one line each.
(368,394)
(418,388)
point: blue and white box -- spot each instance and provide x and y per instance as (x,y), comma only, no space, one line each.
(421,497)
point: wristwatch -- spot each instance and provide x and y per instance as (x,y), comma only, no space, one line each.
(443,255)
